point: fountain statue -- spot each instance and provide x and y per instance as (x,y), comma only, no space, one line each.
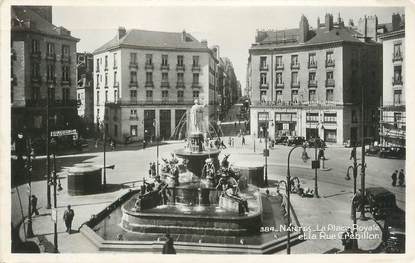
(198,123)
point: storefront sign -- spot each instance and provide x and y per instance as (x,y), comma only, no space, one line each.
(63,133)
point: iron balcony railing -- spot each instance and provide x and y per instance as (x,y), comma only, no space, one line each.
(195,67)
(43,103)
(397,56)
(152,102)
(165,67)
(312,83)
(133,65)
(149,66)
(330,63)
(279,66)
(397,81)
(330,82)
(180,68)
(312,64)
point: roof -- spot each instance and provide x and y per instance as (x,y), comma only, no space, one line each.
(334,35)
(154,39)
(36,23)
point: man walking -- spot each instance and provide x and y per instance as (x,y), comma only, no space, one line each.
(168,247)
(394,176)
(353,153)
(68,217)
(243,140)
(33,203)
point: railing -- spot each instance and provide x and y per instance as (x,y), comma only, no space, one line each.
(152,102)
(51,80)
(312,64)
(66,59)
(295,85)
(180,68)
(297,104)
(43,102)
(36,55)
(134,118)
(330,63)
(196,85)
(51,56)
(263,85)
(180,84)
(149,66)
(165,67)
(133,84)
(149,84)
(133,65)
(116,84)
(279,66)
(263,67)
(397,81)
(330,83)
(195,68)
(279,85)
(312,83)
(37,80)
(65,82)
(165,84)
(397,56)
(295,66)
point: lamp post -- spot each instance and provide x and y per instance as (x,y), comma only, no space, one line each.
(105,161)
(288,188)
(48,199)
(266,154)
(55,206)
(28,169)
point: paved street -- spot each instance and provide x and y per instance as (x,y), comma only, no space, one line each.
(131,165)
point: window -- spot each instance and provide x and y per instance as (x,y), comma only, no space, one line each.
(65,73)
(180,95)
(149,59)
(179,60)
(164,60)
(115,95)
(133,94)
(106,62)
(65,51)
(312,76)
(149,76)
(97,100)
(397,75)
(195,78)
(51,94)
(330,57)
(278,61)
(97,80)
(180,77)
(279,78)
(311,117)
(133,130)
(278,96)
(35,46)
(97,64)
(330,117)
(195,61)
(263,62)
(65,94)
(106,80)
(133,77)
(397,117)
(294,60)
(50,72)
(312,96)
(329,75)
(165,95)
(133,112)
(263,78)
(294,96)
(149,95)
(133,58)
(115,78)
(106,96)
(263,95)
(312,59)
(195,94)
(35,70)
(50,49)
(397,50)
(164,76)
(397,96)
(294,78)
(115,130)
(329,95)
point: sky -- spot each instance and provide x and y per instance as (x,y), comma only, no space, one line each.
(233,28)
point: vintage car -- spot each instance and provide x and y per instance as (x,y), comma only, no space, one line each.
(380,201)
(316,142)
(392,152)
(281,139)
(373,150)
(295,140)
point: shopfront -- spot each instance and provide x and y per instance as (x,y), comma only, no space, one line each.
(285,123)
(263,118)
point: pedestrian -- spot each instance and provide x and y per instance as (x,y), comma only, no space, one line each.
(235,124)
(68,217)
(353,153)
(33,203)
(168,247)
(233,142)
(243,140)
(144,144)
(230,141)
(321,154)
(394,176)
(347,240)
(401,178)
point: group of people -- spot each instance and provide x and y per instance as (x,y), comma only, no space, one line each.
(400,177)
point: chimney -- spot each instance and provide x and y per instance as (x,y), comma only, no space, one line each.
(121,32)
(303,32)
(204,42)
(318,22)
(184,35)
(329,22)
(396,21)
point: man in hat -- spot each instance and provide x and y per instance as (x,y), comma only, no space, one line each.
(394,177)
(68,218)
(401,178)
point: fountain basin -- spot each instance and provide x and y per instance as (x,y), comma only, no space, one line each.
(196,160)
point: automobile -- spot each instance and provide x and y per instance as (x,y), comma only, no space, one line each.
(313,142)
(394,232)
(281,139)
(295,140)
(381,202)
(373,150)
(392,152)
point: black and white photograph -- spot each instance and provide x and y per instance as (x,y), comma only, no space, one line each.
(207,128)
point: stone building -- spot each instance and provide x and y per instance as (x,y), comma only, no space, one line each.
(85,87)
(393,115)
(43,62)
(310,83)
(145,81)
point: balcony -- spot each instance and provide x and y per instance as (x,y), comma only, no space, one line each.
(151,101)
(149,84)
(330,63)
(330,82)
(397,81)
(263,85)
(115,66)
(165,67)
(279,67)
(196,85)
(397,57)
(133,84)
(180,68)
(165,84)
(195,68)
(312,83)
(312,64)
(295,66)
(279,85)
(65,82)
(50,56)
(116,84)
(180,85)
(52,102)
(36,80)
(295,85)
(149,66)
(133,65)
(132,117)
(51,80)
(66,59)
(263,67)
(36,55)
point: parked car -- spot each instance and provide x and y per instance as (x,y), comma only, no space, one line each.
(392,152)
(281,139)
(373,150)
(295,140)
(313,142)
(382,202)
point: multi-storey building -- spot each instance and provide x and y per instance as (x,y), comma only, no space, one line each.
(85,87)
(311,82)
(145,81)
(43,65)
(393,117)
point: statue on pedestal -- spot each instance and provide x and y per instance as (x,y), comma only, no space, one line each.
(198,118)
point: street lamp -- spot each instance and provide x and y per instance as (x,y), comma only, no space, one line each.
(28,169)
(288,188)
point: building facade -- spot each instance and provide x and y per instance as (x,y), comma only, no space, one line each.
(145,81)
(43,65)
(85,87)
(311,82)
(393,114)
